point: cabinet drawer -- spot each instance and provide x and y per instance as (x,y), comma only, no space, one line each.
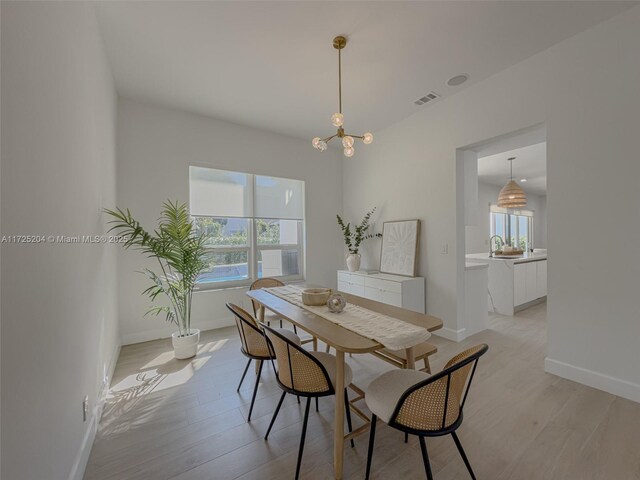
(373,294)
(383,285)
(344,287)
(344,277)
(392,298)
(357,290)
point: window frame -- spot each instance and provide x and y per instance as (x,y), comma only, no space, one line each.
(253,248)
(509,216)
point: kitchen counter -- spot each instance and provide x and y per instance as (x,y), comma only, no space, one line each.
(526,257)
(514,283)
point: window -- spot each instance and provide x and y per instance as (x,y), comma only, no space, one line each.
(254,226)
(515,227)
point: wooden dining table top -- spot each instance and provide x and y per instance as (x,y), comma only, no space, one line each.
(335,335)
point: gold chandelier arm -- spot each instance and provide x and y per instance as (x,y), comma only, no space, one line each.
(329,138)
(361,137)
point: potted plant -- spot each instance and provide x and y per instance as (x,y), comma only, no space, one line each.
(180,255)
(353,239)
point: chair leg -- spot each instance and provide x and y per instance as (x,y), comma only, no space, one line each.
(347,409)
(304,433)
(280,323)
(372,437)
(275,414)
(427,365)
(255,390)
(243,375)
(425,458)
(316,404)
(295,330)
(327,348)
(462,454)
(406,437)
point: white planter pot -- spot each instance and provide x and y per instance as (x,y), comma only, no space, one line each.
(187,346)
(353,262)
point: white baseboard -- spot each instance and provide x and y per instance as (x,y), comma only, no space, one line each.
(451,334)
(80,464)
(167,330)
(607,383)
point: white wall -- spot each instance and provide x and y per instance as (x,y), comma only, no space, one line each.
(156,145)
(59,325)
(587,92)
(477,235)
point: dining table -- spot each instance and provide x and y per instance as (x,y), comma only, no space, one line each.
(343,341)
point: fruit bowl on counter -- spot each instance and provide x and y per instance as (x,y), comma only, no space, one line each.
(508,253)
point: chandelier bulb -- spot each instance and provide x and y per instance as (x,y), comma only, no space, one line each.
(315,142)
(349,151)
(337,119)
(347,141)
(322,145)
(367,138)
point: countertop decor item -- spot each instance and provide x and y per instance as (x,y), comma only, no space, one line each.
(336,303)
(511,195)
(353,239)
(181,257)
(315,297)
(337,119)
(399,254)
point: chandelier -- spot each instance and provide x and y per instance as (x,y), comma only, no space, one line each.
(511,195)
(337,119)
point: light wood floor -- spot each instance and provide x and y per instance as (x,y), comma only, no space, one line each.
(184,420)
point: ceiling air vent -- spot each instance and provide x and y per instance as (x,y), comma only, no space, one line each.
(427,98)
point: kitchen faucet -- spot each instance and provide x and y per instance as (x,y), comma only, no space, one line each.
(499,244)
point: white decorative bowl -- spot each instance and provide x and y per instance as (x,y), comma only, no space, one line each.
(315,297)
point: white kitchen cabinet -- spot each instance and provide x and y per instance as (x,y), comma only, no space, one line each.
(541,279)
(519,284)
(404,292)
(529,281)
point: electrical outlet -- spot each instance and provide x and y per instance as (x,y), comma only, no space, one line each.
(85,408)
(445,248)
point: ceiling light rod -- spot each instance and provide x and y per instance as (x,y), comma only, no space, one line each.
(337,119)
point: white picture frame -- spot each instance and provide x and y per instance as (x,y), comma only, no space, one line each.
(399,252)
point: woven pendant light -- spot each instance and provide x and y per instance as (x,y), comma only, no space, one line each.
(511,195)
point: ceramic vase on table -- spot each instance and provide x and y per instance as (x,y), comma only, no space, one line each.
(353,262)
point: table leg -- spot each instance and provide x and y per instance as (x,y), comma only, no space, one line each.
(315,344)
(411,359)
(338,428)
(261,313)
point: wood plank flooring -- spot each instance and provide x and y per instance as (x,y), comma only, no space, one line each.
(170,419)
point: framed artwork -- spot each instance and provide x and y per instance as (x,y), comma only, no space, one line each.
(399,254)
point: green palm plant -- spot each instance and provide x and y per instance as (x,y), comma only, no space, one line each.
(179,252)
(353,239)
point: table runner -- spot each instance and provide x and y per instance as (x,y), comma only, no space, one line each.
(394,334)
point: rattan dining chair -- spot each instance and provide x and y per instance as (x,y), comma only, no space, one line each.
(254,345)
(305,374)
(424,405)
(269,316)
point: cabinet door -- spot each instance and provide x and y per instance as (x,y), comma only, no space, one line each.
(357,290)
(373,293)
(541,279)
(532,272)
(392,298)
(519,284)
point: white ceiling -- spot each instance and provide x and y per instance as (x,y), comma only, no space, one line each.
(530,164)
(271,64)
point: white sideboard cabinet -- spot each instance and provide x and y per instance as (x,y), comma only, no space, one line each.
(405,292)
